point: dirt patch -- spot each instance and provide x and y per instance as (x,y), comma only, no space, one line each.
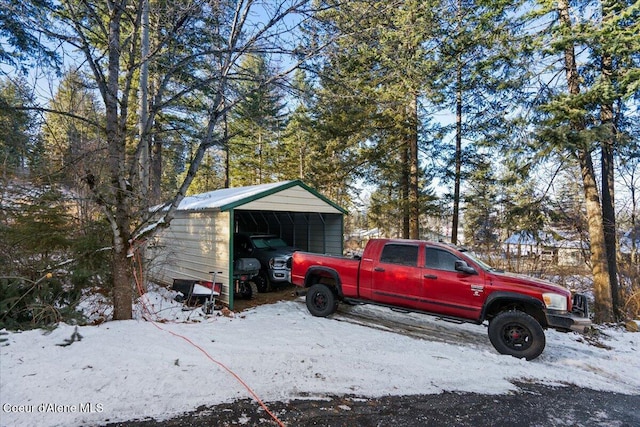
(281,293)
(425,327)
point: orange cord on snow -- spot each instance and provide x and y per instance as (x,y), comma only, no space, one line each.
(202,350)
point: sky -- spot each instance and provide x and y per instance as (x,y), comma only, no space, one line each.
(178,360)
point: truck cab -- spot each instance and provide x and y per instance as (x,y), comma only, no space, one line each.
(423,277)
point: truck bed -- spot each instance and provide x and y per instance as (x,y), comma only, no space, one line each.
(344,269)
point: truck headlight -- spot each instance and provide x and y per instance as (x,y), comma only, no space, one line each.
(277,263)
(555,301)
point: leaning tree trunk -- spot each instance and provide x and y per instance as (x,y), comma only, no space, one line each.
(608,146)
(608,209)
(601,286)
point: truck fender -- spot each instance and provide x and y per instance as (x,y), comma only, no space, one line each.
(505,298)
(319,271)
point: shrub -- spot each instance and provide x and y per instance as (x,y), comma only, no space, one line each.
(47,259)
(629,275)
(26,304)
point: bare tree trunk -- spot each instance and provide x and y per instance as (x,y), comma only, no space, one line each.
(601,283)
(458,161)
(404,189)
(119,216)
(601,286)
(634,234)
(458,155)
(143,130)
(607,168)
(608,207)
(227,159)
(123,285)
(156,170)
(154,134)
(414,194)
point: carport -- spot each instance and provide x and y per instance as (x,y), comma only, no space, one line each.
(200,237)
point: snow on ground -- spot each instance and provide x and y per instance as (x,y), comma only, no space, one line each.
(136,369)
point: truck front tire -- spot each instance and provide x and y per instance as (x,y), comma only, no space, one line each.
(517,334)
(262,282)
(248,290)
(321,300)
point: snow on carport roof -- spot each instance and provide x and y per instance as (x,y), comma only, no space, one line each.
(224,196)
(229,198)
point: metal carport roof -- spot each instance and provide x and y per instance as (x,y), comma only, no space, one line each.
(300,198)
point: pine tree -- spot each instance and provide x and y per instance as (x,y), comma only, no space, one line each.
(72,141)
(482,220)
(373,82)
(566,128)
(256,126)
(20,47)
(618,26)
(478,81)
(300,133)
(17,141)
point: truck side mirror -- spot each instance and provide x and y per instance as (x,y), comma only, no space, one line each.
(463,267)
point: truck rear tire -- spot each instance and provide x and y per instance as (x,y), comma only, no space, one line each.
(517,334)
(321,300)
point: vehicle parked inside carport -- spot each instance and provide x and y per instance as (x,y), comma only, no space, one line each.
(273,253)
(445,281)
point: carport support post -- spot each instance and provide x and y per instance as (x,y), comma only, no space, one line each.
(324,233)
(232,223)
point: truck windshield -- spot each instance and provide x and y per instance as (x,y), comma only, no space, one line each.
(268,242)
(481,263)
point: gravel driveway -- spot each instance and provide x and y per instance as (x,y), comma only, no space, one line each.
(532,405)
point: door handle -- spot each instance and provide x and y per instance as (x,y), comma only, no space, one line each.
(378,269)
(430,276)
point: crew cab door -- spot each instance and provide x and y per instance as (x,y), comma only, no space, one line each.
(396,279)
(451,292)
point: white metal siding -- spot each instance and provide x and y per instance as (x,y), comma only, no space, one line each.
(294,199)
(195,244)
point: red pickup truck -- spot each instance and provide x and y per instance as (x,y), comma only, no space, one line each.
(446,281)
